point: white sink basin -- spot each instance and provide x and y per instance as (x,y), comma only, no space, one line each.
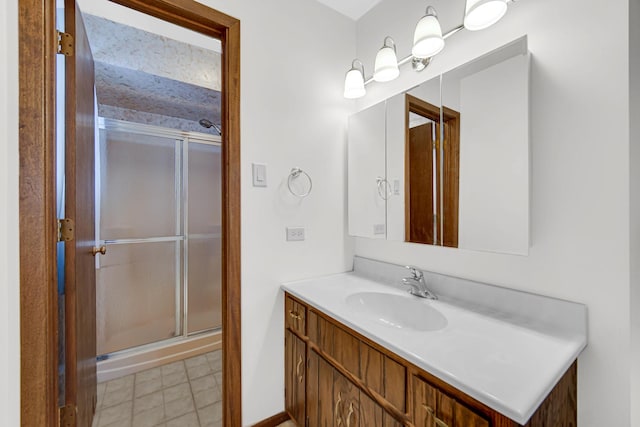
(397,311)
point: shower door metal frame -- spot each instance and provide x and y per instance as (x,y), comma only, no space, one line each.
(198,138)
(181,189)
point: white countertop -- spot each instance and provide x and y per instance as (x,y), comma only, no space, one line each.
(506,366)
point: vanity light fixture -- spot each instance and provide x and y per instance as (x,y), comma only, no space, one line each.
(386,65)
(428,41)
(354,81)
(427,38)
(481,14)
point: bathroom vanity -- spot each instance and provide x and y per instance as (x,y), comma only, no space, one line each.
(361,351)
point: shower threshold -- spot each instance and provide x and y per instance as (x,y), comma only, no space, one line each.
(130,361)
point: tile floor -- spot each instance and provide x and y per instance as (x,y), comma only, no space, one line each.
(186,393)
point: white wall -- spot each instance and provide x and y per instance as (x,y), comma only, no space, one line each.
(9,249)
(580,171)
(293,114)
(634,113)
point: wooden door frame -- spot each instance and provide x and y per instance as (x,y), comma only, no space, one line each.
(432,112)
(37,207)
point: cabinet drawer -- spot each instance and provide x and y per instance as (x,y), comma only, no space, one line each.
(295,316)
(433,408)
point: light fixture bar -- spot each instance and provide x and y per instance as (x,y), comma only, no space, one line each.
(410,57)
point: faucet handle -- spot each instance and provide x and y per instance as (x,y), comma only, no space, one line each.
(417,274)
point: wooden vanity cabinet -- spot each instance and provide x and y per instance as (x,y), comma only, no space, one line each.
(335,377)
(433,408)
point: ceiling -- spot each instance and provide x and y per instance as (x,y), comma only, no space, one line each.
(354,9)
(144,76)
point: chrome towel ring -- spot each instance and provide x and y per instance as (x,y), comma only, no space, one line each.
(384,188)
(295,173)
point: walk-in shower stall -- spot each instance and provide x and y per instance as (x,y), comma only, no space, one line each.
(158,212)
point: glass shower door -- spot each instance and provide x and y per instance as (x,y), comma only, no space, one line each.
(204,239)
(139,280)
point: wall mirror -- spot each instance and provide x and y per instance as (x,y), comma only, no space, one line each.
(367,184)
(457,158)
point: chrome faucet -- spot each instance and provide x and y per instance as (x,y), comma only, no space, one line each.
(417,284)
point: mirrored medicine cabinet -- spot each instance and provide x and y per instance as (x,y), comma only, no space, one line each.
(447,162)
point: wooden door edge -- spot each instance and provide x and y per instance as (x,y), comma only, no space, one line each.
(37,213)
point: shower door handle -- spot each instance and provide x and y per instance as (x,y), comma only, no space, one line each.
(101,250)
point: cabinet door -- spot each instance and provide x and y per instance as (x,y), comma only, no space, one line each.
(330,395)
(385,376)
(346,398)
(295,374)
(326,407)
(432,408)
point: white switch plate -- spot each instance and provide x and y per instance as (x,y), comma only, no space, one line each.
(396,187)
(259,174)
(295,234)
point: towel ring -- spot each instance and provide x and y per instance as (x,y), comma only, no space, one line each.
(384,188)
(295,173)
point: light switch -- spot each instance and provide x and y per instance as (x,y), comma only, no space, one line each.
(396,187)
(259,174)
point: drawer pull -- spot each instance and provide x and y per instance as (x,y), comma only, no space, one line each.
(295,315)
(298,369)
(438,421)
(349,414)
(336,413)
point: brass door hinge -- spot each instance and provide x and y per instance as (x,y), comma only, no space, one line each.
(65,43)
(68,415)
(66,230)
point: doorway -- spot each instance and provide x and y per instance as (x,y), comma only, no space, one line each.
(38,225)
(432,151)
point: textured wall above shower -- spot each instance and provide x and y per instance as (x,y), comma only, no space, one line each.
(137,90)
(153,77)
(125,46)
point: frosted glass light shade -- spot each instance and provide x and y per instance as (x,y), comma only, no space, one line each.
(354,84)
(386,66)
(481,14)
(427,39)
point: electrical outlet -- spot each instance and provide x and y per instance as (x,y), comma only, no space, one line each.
(295,234)
(378,229)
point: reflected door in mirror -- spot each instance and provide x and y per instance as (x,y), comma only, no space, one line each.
(432,159)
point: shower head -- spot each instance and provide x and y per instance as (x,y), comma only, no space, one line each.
(209,124)
(205,123)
